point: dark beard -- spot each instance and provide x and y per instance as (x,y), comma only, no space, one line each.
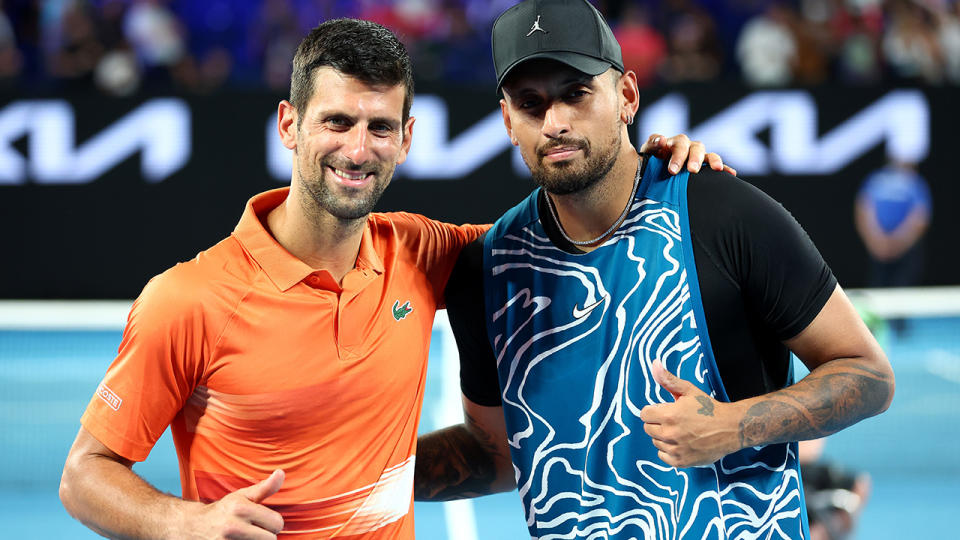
(340,205)
(567,178)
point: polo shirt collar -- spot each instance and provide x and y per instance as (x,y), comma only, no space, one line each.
(283,269)
(368,256)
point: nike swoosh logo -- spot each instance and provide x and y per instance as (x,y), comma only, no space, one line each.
(581,313)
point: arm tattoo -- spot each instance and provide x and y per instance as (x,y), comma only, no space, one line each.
(454,463)
(817,406)
(707,408)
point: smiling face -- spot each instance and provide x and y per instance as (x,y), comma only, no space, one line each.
(566,123)
(348,143)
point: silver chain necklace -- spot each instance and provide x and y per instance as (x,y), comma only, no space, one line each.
(623,215)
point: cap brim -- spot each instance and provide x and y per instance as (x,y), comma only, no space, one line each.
(580,62)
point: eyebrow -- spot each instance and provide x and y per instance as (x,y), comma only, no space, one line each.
(394,123)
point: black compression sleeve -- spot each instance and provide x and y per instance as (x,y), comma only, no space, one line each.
(759,245)
(465,308)
(761,280)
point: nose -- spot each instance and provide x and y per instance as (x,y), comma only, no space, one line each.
(356,145)
(556,121)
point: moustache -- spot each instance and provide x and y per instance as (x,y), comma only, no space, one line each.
(350,166)
(557,143)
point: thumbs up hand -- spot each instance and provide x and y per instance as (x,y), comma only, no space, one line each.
(693,430)
(238,515)
(264,488)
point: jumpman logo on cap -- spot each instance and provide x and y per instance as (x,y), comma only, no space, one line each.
(535,27)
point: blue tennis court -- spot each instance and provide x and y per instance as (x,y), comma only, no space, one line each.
(912,451)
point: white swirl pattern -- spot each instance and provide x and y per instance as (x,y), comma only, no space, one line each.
(572,390)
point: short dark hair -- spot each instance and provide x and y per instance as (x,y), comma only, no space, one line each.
(361,49)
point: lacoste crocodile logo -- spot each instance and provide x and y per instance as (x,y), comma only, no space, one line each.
(401,312)
(581,313)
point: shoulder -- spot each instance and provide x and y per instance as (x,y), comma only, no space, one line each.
(521,215)
(726,194)
(192,288)
(415,229)
(722,203)
(407,224)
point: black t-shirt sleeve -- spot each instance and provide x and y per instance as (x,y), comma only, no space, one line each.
(465,308)
(764,250)
(761,279)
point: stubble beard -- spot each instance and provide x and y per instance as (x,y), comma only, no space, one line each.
(343,202)
(568,177)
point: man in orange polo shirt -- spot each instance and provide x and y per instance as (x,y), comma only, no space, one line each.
(290,358)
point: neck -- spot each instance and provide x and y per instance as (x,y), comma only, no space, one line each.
(585,215)
(317,238)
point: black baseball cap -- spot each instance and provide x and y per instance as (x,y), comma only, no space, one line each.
(569,31)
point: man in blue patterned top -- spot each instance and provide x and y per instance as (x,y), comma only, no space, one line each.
(626,360)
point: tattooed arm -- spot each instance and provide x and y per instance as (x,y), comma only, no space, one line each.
(850,379)
(465,460)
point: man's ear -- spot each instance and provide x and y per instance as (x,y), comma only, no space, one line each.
(287,124)
(628,92)
(506,122)
(407,134)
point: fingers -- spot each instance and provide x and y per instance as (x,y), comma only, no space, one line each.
(252,512)
(253,522)
(649,415)
(695,159)
(658,434)
(680,150)
(269,520)
(264,488)
(714,161)
(668,459)
(249,520)
(651,145)
(668,450)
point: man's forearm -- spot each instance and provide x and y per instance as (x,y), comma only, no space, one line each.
(455,463)
(112,500)
(832,397)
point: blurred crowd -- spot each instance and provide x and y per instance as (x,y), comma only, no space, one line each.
(197,46)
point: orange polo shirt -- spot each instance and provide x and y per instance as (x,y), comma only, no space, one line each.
(258,362)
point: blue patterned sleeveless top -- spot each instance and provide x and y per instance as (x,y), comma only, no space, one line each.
(575,336)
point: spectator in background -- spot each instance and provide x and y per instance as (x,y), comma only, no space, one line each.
(467,59)
(75,47)
(274,38)
(201,46)
(644,48)
(948,34)
(910,44)
(118,72)
(694,49)
(767,49)
(857,31)
(157,38)
(813,41)
(11,61)
(892,213)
